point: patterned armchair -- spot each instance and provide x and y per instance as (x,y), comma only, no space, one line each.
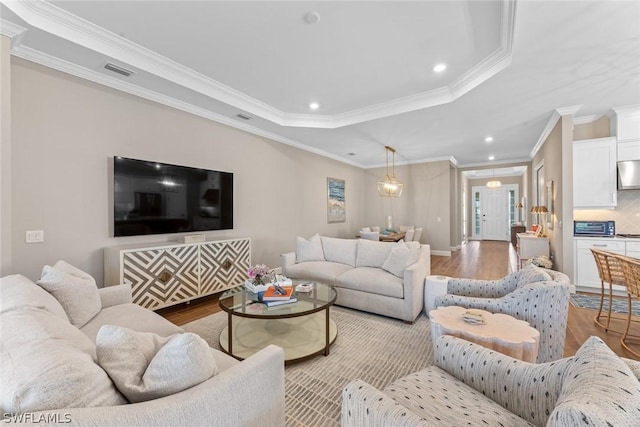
(533,294)
(473,385)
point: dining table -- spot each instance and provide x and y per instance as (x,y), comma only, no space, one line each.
(392,236)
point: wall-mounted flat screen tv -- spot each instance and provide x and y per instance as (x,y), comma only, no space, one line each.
(157,198)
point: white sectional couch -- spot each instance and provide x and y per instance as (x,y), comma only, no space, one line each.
(50,372)
(378,277)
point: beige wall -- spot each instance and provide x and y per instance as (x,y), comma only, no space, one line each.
(425,202)
(551,154)
(597,129)
(5,156)
(67,130)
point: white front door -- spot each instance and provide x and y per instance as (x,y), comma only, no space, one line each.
(491,213)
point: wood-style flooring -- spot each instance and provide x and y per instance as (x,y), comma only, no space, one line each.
(478,260)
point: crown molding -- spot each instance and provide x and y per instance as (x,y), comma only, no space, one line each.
(585,119)
(502,164)
(9,29)
(555,116)
(63,24)
(450,159)
(114,83)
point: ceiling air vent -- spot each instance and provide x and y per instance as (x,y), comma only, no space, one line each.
(243,116)
(117,69)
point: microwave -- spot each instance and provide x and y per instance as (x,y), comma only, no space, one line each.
(594,228)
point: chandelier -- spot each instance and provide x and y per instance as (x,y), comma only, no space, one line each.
(494,183)
(389,186)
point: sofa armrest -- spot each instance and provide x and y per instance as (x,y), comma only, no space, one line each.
(483,288)
(115,295)
(287,260)
(365,406)
(528,390)
(492,305)
(250,393)
(413,284)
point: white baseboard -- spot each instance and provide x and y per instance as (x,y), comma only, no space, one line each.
(441,253)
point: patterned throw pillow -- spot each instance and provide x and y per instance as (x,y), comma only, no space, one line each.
(599,389)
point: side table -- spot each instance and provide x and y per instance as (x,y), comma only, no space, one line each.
(434,286)
(501,332)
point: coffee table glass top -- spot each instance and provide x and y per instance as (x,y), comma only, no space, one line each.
(241,302)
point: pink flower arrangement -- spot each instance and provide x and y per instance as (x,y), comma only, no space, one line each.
(257,273)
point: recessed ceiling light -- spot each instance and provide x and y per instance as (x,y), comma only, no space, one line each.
(440,68)
(312,18)
(488,139)
(314,105)
(492,157)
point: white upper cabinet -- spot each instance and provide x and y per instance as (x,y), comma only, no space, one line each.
(594,174)
(625,125)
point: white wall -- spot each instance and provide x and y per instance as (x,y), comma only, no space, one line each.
(5,156)
(66,132)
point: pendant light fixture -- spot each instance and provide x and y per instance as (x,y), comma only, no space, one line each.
(494,183)
(389,186)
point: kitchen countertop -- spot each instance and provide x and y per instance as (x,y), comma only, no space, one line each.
(617,238)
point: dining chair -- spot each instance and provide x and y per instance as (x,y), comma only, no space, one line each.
(408,235)
(375,228)
(610,272)
(417,234)
(631,272)
(370,235)
(406,227)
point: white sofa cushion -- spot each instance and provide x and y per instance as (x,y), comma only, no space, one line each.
(373,281)
(372,254)
(340,250)
(46,363)
(309,250)
(599,389)
(17,290)
(146,366)
(322,271)
(75,290)
(400,258)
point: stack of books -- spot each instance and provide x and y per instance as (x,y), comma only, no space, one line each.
(280,295)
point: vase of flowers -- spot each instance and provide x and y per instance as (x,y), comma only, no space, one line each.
(258,278)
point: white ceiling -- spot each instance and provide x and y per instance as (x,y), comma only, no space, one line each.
(368,64)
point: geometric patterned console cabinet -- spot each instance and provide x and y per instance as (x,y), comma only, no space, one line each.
(163,275)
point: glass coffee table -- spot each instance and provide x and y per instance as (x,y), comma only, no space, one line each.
(303,329)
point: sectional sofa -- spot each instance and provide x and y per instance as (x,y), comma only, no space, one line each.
(50,372)
(378,277)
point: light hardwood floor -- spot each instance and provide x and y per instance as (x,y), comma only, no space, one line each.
(477,260)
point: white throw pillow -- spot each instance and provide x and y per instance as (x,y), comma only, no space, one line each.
(400,258)
(309,250)
(75,290)
(146,366)
(46,364)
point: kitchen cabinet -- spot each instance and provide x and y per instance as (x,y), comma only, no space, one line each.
(629,150)
(594,174)
(586,272)
(625,124)
(633,249)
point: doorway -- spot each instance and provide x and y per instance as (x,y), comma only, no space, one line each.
(493,212)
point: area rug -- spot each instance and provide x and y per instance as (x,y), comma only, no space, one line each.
(373,348)
(620,305)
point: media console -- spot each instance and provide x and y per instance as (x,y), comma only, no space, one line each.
(165,274)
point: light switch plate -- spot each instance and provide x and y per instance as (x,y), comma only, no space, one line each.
(34,236)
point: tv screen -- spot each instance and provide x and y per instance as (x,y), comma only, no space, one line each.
(156,198)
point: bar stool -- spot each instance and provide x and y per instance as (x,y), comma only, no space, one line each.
(631,271)
(610,271)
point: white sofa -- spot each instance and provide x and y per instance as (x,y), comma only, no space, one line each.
(355,268)
(474,386)
(48,368)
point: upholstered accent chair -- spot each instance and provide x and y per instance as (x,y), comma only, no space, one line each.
(533,294)
(472,385)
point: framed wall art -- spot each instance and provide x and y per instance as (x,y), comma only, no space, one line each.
(336,211)
(550,205)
